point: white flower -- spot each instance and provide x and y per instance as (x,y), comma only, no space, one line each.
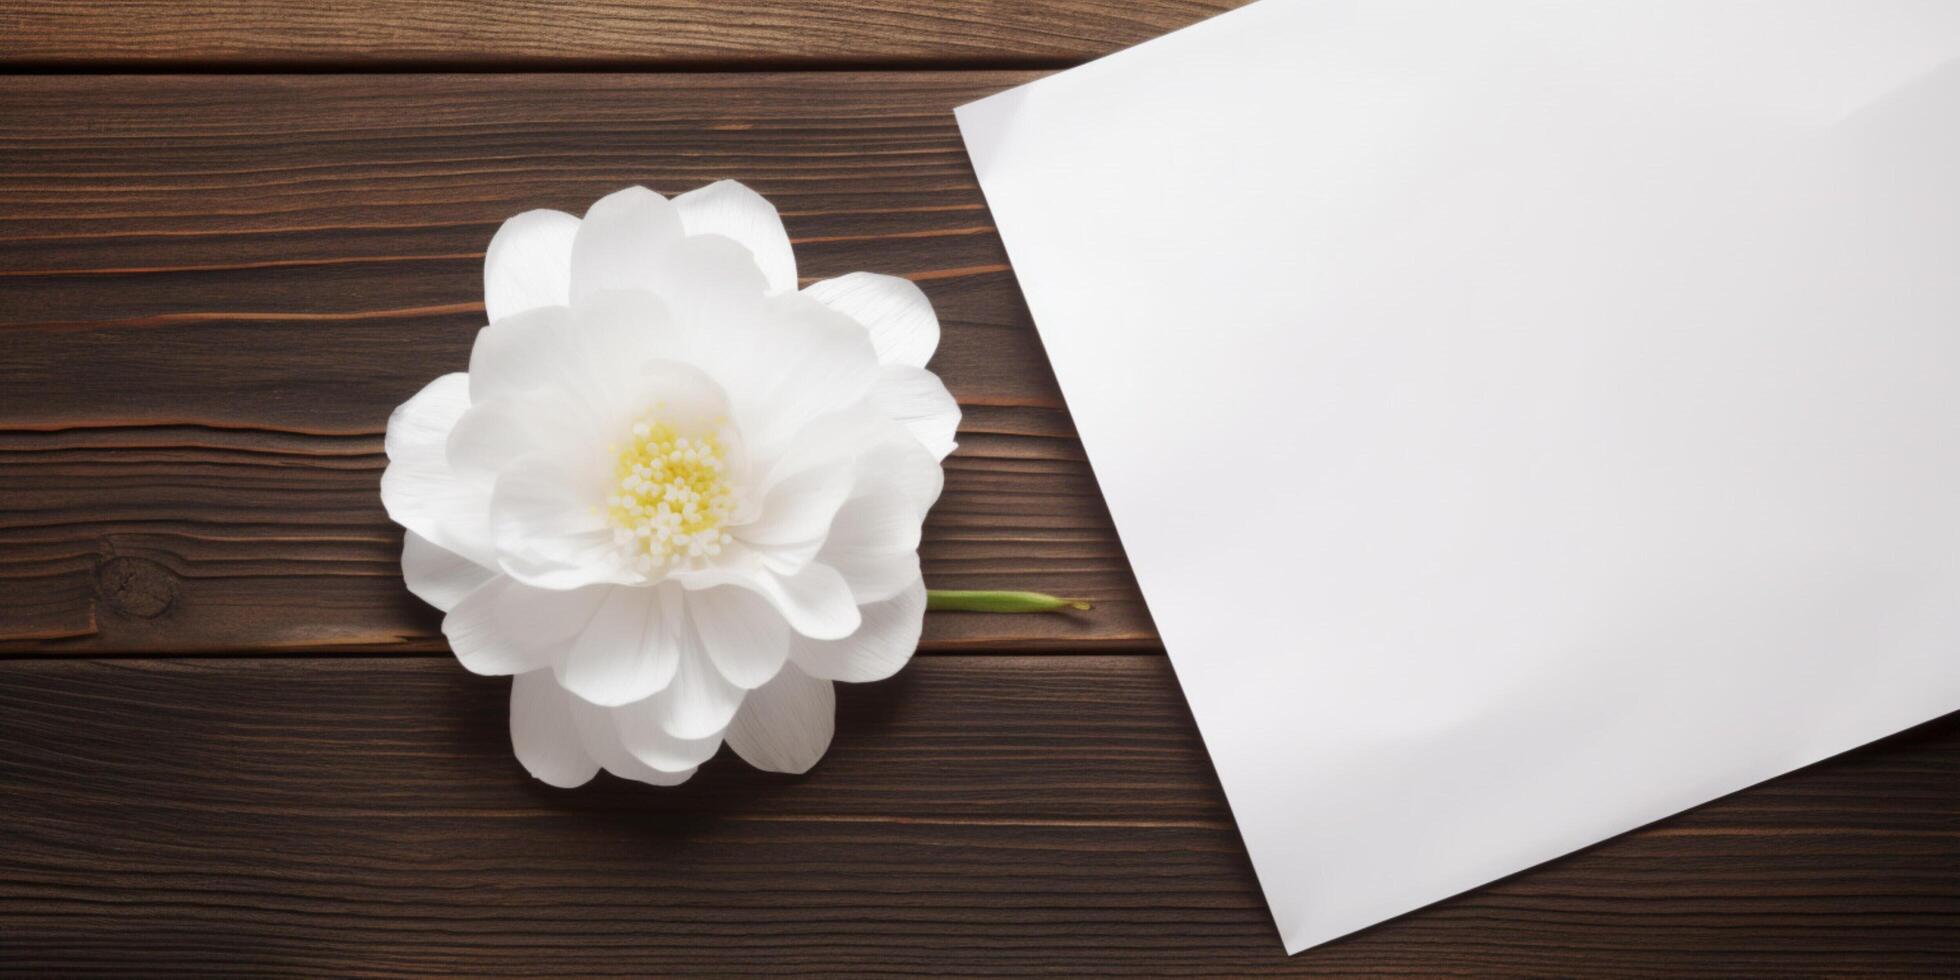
(675,495)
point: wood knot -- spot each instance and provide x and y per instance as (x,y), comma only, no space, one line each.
(136,586)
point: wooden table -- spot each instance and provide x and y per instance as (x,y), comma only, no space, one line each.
(235,233)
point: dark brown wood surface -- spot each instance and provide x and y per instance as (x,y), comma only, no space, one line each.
(521,34)
(229,740)
(976,814)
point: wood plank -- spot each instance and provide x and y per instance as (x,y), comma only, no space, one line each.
(486,34)
(976,815)
(213,290)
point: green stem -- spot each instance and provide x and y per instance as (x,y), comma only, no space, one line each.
(964,600)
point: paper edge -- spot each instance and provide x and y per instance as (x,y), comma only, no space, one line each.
(998,110)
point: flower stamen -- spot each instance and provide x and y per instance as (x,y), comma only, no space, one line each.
(670,496)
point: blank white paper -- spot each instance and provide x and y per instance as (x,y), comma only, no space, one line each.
(1527,419)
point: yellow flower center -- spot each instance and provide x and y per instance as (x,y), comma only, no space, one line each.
(670,495)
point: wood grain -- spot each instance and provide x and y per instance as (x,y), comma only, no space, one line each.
(213,290)
(995,815)
(477,34)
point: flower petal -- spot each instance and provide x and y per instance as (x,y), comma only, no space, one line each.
(621,241)
(682,395)
(874,540)
(873,546)
(815,601)
(806,362)
(505,627)
(543,734)
(906,466)
(504,360)
(628,650)
(640,772)
(796,513)
(832,440)
(588,358)
(917,399)
(786,724)
(550,528)
(745,637)
(895,311)
(882,645)
(601,740)
(709,281)
(639,732)
(438,576)
(497,432)
(419,489)
(729,208)
(700,701)
(529,263)
(801,493)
